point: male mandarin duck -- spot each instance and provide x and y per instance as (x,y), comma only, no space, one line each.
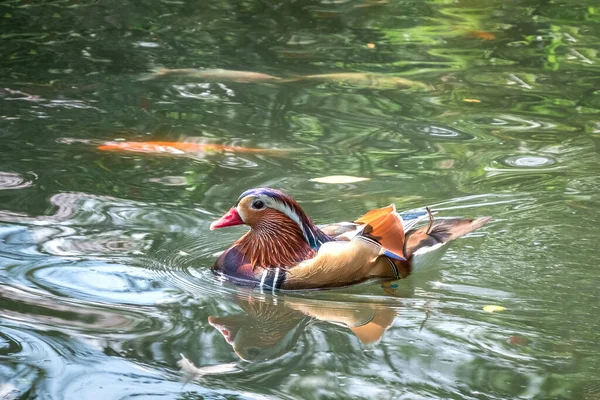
(284,250)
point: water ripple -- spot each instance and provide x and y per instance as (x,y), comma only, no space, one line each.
(79,369)
(527,161)
(76,209)
(170,180)
(104,265)
(11,180)
(438,131)
(100,244)
(108,283)
(47,311)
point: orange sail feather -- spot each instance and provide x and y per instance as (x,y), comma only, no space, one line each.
(386,228)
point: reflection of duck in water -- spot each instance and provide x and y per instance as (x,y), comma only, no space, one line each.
(268,328)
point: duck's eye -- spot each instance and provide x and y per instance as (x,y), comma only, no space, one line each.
(258,204)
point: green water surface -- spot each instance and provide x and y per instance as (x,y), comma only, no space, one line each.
(105,283)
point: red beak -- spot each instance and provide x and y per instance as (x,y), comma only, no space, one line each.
(232,218)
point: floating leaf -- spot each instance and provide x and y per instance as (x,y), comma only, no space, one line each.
(371,45)
(339,179)
(472,100)
(493,308)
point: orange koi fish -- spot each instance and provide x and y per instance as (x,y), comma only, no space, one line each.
(482,35)
(177,148)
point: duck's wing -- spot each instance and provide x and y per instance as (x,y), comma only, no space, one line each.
(376,251)
(347,230)
(386,227)
(339,230)
(342,263)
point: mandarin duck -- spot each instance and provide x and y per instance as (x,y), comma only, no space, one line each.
(267,328)
(284,250)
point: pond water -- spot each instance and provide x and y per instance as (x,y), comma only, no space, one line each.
(105,283)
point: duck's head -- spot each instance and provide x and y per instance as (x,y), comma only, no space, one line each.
(269,210)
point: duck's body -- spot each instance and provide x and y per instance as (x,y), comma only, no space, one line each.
(285,250)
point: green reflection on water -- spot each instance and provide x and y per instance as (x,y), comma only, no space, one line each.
(105,256)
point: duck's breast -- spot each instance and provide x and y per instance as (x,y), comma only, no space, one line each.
(233,263)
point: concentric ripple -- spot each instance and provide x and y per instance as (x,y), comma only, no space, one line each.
(101,244)
(79,371)
(11,180)
(438,131)
(108,283)
(170,180)
(70,316)
(527,161)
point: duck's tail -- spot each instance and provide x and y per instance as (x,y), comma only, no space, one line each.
(437,234)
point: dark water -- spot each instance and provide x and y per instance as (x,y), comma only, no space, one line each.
(105,257)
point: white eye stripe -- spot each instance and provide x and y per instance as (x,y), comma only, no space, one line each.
(285,209)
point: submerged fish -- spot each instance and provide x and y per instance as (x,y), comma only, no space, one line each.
(178,148)
(482,35)
(370,80)
(370,3)
(222,75)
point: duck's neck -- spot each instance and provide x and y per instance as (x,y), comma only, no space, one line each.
(276,244)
